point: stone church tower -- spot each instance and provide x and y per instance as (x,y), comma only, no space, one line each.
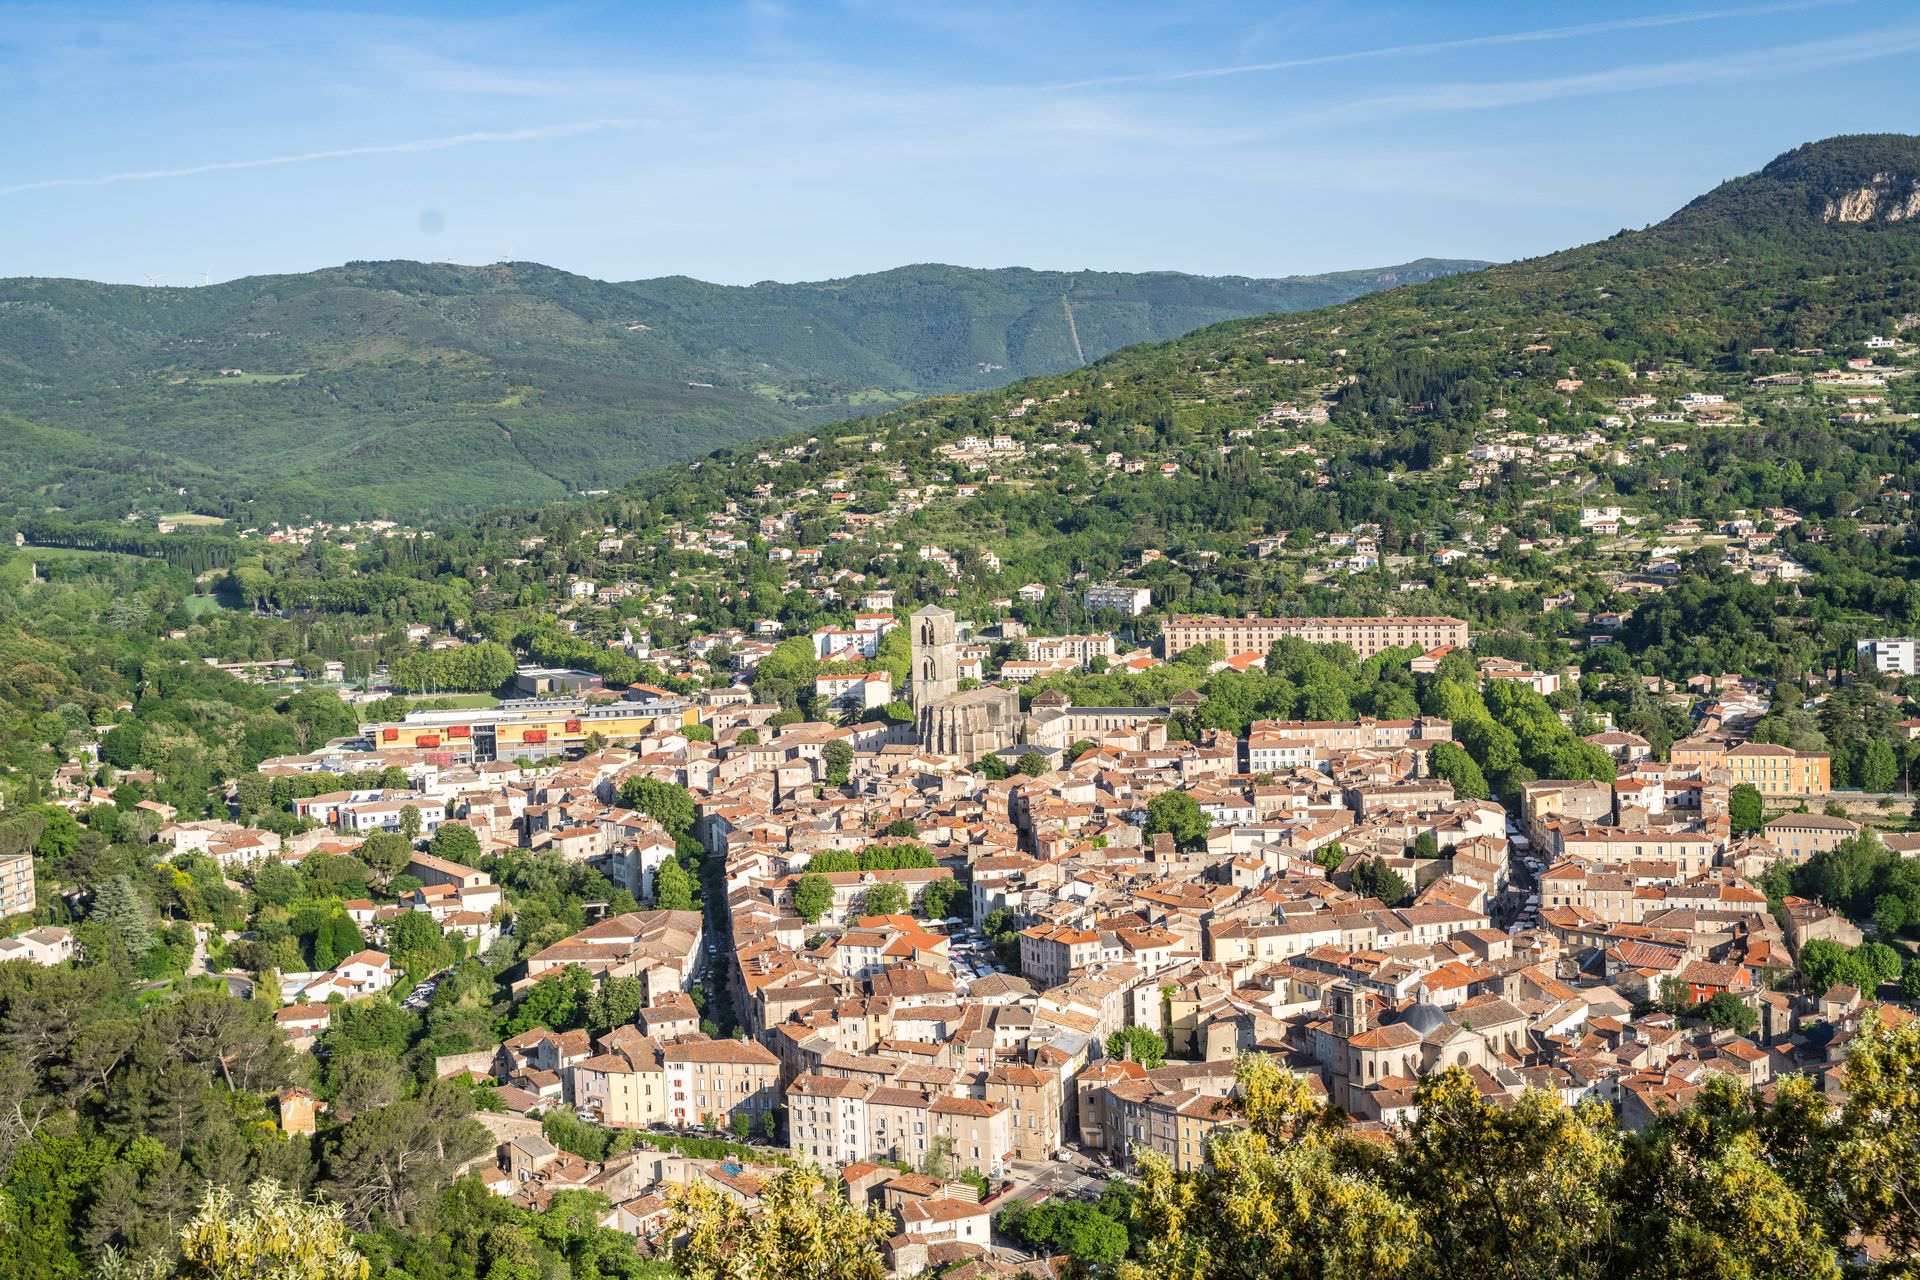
(936,656)
(948,722)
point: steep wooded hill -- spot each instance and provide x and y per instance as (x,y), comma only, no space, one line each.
(406,388)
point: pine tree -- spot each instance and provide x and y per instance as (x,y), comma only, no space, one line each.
(117,905)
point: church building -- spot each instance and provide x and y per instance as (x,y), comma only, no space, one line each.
(968,725)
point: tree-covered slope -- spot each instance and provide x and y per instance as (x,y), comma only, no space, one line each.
(398,388)
(1695,370)
(1735,281)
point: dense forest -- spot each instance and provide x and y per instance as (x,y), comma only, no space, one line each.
(408,388)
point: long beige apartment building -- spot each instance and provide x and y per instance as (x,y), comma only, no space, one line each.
(1367,636)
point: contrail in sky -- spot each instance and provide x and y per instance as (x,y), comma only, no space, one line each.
(1468,42)
(339,153)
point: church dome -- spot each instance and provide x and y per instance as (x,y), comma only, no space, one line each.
(1425,1018)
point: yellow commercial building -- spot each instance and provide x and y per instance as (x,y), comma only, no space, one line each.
(1769,769)
(528,730)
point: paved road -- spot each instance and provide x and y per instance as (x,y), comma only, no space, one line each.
(1050,1180)
(1035,1182)
(198,965)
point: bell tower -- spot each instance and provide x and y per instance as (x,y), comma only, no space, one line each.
(936,657)
(1352,1010)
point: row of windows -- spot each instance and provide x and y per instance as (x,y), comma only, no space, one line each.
(826,1130)
(1182,633)
(700,1099)
(700,1069)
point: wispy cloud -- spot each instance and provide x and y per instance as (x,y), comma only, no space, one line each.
(534,134)
(1493,39)
(1813,55)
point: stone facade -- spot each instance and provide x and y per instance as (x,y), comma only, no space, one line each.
(950,723)
(936,656)
(971,724)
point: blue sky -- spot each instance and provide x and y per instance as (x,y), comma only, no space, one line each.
(787,140)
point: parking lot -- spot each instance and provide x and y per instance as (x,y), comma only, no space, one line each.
(421,996)
(973,956)
(1077,1178)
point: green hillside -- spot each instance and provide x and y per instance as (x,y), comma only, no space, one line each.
(400,388)
(1751,277)
(1479,413)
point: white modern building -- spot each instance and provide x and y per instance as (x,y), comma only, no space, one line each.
(1889,655)
(1129,601)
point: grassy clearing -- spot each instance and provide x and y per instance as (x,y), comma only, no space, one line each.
(878,395)
(459,701)
(245,379)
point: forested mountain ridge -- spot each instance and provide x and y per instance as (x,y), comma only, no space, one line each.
(1687,372)
(1737,278)
(1858,179)
(1469,418)
(397,388)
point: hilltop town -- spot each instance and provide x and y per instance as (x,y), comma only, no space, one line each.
(987,822)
